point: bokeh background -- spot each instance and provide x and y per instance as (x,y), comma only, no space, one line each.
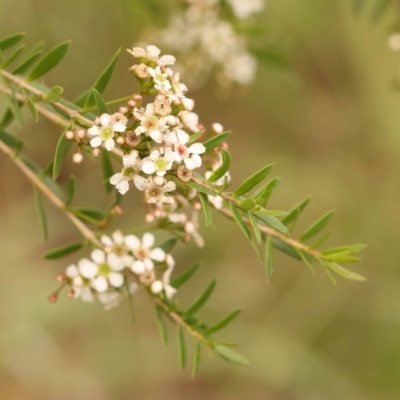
(329,120)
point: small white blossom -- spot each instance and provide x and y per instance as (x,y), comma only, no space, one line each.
(150,123)
(156,187)
(118,251)
(158,162)
(164,284)
(129,172)
(189,155)
(106,132)
(161,81)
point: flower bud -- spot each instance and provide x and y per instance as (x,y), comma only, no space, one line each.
(95,152)
(70,294)
(149,218)
(77,158)
(131,103)
(123,110)
(60,277)
(131,139)
(81,133)
(120,140)
(225,145)
(116,210)
(197,206)
(97,121)
(184,174)
(200,127)
(217,127)
(137,97)
(53,297)
(69,134)
(156,287)
(157,213)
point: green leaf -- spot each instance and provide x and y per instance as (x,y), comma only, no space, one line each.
(345,250)
(239,220)
(32,109)
(202,299)
(8,118)
(216,141)
(304,258)
(224,322)
(11,40)
(321,240)
(273,213)
(196,359)
(107,168)
(262,200)
(254,180)
(100,104)
(184,276)
(247,203)
(345,272)
(62,148)
(317,226)
(193,138)
(269,258)
(223,169)
(14,55)
(168,245)
(70,191)
(296,211)
(11,140)
(285,248)
(40,212)
(90,215)
(102,81)
(200,188)
(54,95)
(343,258)
(49,61)
(15,106)
(182,348)
(161,325)
(63,251)
(231,355)
(205,205)
(272,221)
(29,59)
(256,229)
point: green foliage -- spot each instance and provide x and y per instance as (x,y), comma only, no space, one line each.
(231,355)
(100,104)
(62,149)
(269,258)
(11,40)
(196,359)
(200,188)
(168,245)
(253,181)
(224,322)
(239,220)
(49,61)
(317,226)
(223,169)
(295,212)
(108,170)
(196,136)
(54,95)
(255,226)
(70,191)
(28,60)
(206,208)
(41,213)
(14,55)
(184,276)
(161,325)
(182,348)
(216,141)
(33,109)
(199,303)
(63,251)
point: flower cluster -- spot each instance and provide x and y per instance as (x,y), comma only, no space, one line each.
(122,259)
(207,40)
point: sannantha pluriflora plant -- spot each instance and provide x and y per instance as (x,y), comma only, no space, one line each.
(164,154)
(211,35)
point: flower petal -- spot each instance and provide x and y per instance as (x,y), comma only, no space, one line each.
(183,137)
(100,284)
(157,254)
(116,178)
(96,141)
(156,287)
(132,241)
(140,182)
(106,240)
(156,136)
(94,130)
(116,263)
(169,187)
(105,119)
(98,256)
(119,127)
(72,271)
(190,163)
(129,160)
(122,186)
(197,148)
(138,267)
(116,279)
(87,268)
(169,156)
(149,167)
(148,240)
(109,144)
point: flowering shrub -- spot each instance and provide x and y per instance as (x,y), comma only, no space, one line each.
(164,154)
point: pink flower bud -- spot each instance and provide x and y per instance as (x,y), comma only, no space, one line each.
(131,103)
(77,158)
(197,206)
(81,133)
(149,218)
(69,135)
(70,294)
(60,277)
(95,152)
(137,97)
(53,297)
(120,140)
(123,110)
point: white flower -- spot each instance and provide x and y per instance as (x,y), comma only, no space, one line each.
(161,81)
(129,172)
(190,120)
(157,162)
(106,132)
(143,252)
(159,285)
(245,8)
(114,299)
(241,68)
(156,189)
(150,124)
(80,285)
(189,155)
(118,252)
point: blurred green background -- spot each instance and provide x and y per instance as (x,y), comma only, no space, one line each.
(330,122)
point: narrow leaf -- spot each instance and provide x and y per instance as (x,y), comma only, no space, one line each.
(168,245)
(262,200)
(195,137)
(40,212)
(273,222)
(49,61)
(321,240)
(345,272)
(11,40)
(205,205)
(247,203)
(70,191)
(239,220)
(29,59)
(269,258)
(62,148)
(107,168)
(54,95)
(13,56)
(224,322)
(196,359)
(356,248)
(305,260)
(317,226)
(63,251)
(285,248)
(231,355)
(202,299)
(11,140)
(256,229)
(216,141)
(184,276)
(223,169)
(182,348)
(254,180)
(32,109)
(161,325)
(100,104)
(296,211)
(200,188)
(102,81)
